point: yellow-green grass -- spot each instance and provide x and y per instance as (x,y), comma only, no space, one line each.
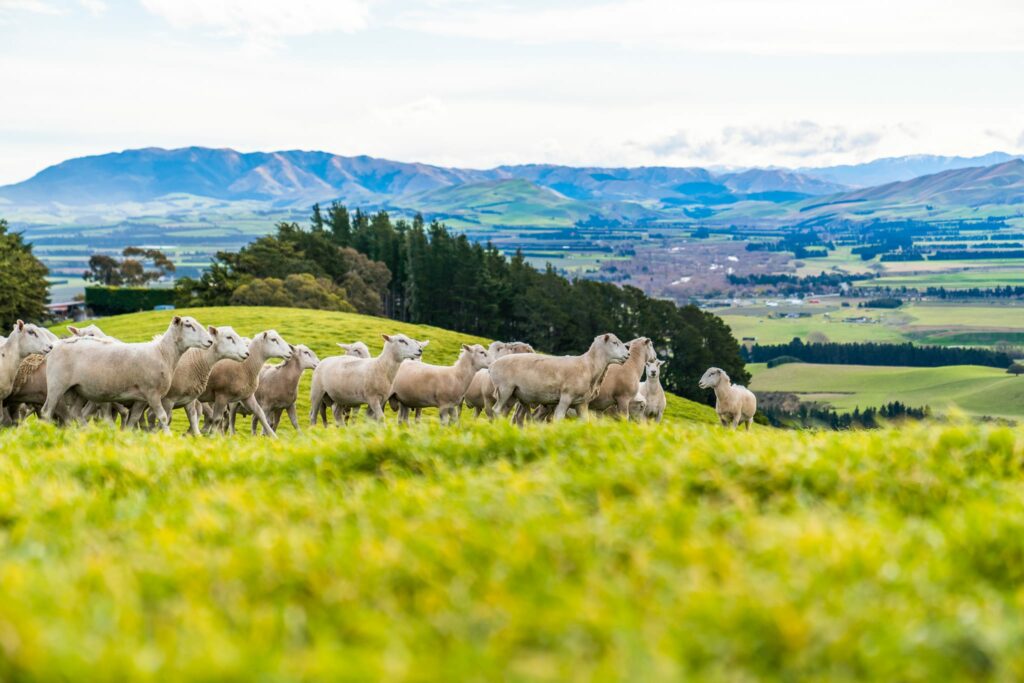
(321,331)
(1012,274)
(599,551)
(975,390)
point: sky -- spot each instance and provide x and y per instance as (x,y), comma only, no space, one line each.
(477,83)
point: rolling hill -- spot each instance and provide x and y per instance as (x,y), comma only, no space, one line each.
(975,390)
(893,169)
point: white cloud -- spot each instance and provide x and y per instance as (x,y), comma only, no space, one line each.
(94,7)
(263,21)
(747,26)
(8,7)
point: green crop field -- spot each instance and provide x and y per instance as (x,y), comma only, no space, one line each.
(930,322)
(975,390)
(321,331)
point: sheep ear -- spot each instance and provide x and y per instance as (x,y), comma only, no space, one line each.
(607,337)
(387,337)
(292,348)
(344,346)
(73,330)
(465,347)
(176,320)
(212,330)
(424,343)
(20,324)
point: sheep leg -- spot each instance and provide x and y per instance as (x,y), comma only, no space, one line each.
(564,401)
(340,415)
(403,413)
(374,409)
(502,395)
(156,405)
(255,422)
(583,412)
(192,411)
(293,417)
(317,408)
(252,404)
(419,411)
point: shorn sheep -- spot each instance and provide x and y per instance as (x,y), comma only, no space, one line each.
(326,367)
(364,381)
(563,381)
(622,382)
(651,393)
(232,381)
(279,388)
(104,371)
(421,385)
(480,394)
(193,372)
(734,404)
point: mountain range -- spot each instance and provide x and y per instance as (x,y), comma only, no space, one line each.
(511,195)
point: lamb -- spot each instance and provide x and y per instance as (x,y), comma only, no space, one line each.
(651,394)
(421,385)
(279,388)
(734,403)
(567,381)
(104,371)
(621,383)
(363,380)
(231,381)
(193,371)
(352,351)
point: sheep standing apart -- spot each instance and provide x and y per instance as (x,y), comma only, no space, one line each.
(421,385)
(104,371)
(364,381)
(279,388)
(567,381)
(734,403)
(325,367)
(622,382)
(480,394)
(232,381)
(193,372)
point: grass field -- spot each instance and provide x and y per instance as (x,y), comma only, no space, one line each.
(321,331)
(925,323)
(975,390)
(562,552)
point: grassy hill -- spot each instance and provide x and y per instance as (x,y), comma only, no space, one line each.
(321,331)
(973,389)
(575,551)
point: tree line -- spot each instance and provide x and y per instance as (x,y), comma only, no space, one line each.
(412,271)
(875,353)
(816,416)
(23,285)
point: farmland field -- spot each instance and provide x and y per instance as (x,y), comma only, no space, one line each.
(562,552)
(975,390)
(926,323)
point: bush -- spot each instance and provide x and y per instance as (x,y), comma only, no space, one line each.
(296,291)
(783,360)
(115,300)
(884,302)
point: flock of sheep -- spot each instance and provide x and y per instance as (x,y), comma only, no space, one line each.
(215,373)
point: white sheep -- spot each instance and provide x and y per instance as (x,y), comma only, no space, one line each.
(364,381)
(651,393)
(421,385)
(104,371)
(565,381)
(192,373)
(232,381)
(24,340)
(734,403)
(278,388)
(325,367)
(480,394)
(622,382)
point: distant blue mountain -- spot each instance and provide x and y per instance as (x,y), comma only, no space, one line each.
(298,178)
(895,169)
